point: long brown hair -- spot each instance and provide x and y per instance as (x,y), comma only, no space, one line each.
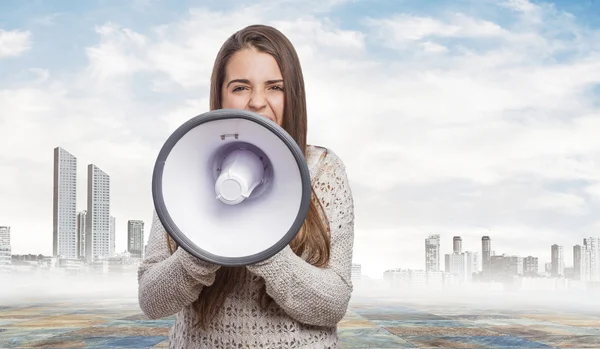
(313,240)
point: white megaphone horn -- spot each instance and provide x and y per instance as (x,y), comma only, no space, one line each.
(231,187)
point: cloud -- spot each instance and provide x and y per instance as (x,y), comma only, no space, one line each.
(450,122)
(14,42)
(402,28)
(520,5)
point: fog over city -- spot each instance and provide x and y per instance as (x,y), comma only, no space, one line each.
(49,288)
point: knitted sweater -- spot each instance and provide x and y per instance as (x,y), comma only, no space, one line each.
(308,301)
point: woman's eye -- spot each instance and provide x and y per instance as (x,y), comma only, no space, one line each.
(278,88)
(238,88)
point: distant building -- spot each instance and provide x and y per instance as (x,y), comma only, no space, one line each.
(486,255)
(530,266)
(592,258)
(505,267)
(547,268)
(461,264)
(432,253)
(135,238)
(557,261)
(5,248)
(98,219)
(457,244)
(64,205)
(586,260)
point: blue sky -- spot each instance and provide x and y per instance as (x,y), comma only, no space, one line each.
(61,27)
(474,116)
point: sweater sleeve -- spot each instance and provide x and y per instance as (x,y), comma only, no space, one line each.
(309,294)
(169,282)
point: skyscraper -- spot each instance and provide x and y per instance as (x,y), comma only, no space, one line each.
(97,232)
(530,266)
(461,264)
(432,253)
(486,254)
(557,260)
(64,230)
(135,238)
(579,265)
(457,244)
(5,247)
(593,257)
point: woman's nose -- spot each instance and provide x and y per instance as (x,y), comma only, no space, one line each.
(257,100)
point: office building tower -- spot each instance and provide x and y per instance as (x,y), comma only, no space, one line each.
(557,261)
(432,253)
(578,263)
(530,266)
(135,238)
(5,247)
(461,264)
(64,230)
(457,244)
(97,232)
(593,258)
(486,254)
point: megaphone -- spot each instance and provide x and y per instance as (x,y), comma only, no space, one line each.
(231,187)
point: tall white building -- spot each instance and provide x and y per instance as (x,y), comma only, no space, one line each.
(98,231)
(64,203)
(587,258)
(557,260)
(580,263)
(486,255)
(462,264)
(530,266)
(113,227)
(81,224)
(5,248)
(432,253)
(135,238)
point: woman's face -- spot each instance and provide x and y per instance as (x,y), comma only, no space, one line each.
(254,82)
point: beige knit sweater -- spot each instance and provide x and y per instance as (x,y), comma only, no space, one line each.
(309,301)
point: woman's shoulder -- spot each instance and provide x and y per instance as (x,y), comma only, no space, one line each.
(329,177)
(322,159)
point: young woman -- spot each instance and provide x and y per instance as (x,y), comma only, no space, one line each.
(296,298)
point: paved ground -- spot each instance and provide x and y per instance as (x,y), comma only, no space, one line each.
(370,323)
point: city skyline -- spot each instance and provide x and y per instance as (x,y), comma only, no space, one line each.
(433,262)
(586,267)
(97,196)
(88,233)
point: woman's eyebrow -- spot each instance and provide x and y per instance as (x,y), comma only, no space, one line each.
(243,81)
(246,81)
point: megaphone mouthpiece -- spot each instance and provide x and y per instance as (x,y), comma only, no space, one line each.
(241,172)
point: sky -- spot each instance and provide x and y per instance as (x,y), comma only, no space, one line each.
(464,118)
